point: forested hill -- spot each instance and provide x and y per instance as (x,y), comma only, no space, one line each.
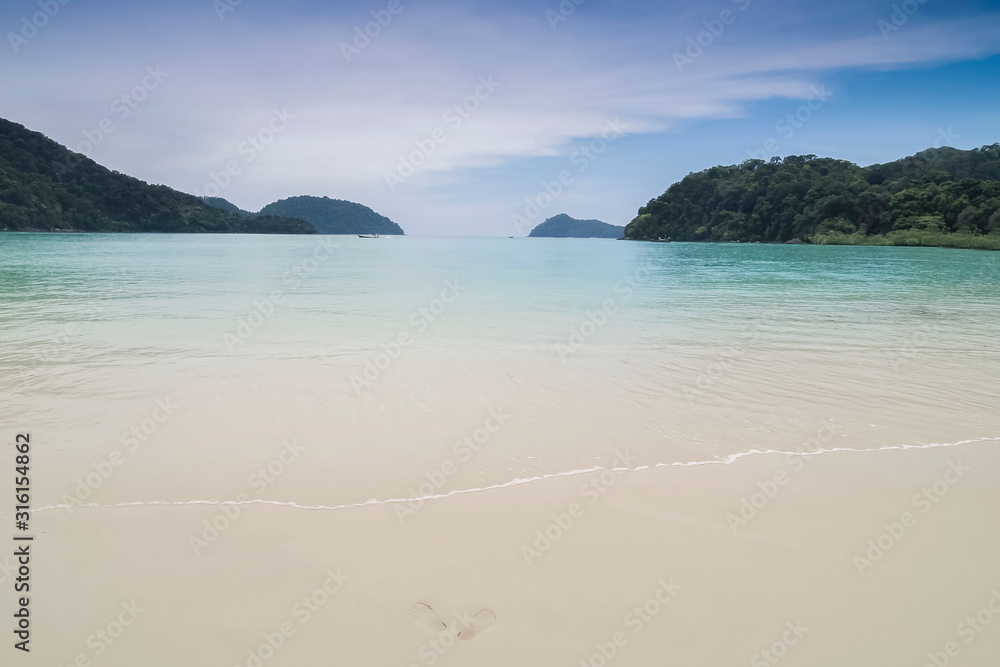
(334,216)
(939,197)
(563,226)
(46,187)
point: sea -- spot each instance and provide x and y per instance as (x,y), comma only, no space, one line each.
(333,371)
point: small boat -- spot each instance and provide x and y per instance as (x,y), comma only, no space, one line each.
(367,236)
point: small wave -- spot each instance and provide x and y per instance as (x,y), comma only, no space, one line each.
(518,481)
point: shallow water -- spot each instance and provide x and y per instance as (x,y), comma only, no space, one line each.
(580,349)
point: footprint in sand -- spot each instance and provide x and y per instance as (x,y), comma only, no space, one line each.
(427,617)
(424,615)
(482,620)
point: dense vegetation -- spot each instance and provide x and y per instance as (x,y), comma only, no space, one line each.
(563,226)
(225,205)
(46,187)
(939,197)
(333,216)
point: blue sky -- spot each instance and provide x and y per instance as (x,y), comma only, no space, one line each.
(590,109)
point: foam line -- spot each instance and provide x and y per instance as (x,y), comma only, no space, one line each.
(732,458)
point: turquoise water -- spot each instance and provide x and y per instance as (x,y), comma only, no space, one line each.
(186,291)
(678,351)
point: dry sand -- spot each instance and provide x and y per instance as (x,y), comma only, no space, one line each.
(649,572)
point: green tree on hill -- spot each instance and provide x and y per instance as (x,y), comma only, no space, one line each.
(941,196)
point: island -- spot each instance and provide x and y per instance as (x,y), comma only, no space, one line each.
(939,197)
(45,187)
(328,216)
(563,226)
(334,216)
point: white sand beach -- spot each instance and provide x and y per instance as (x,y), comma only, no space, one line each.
(642,566)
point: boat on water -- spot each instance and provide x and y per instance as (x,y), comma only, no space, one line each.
(367,236)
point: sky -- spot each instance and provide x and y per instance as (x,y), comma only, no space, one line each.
(484,118)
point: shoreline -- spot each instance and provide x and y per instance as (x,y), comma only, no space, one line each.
(728,460)
(809,243)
